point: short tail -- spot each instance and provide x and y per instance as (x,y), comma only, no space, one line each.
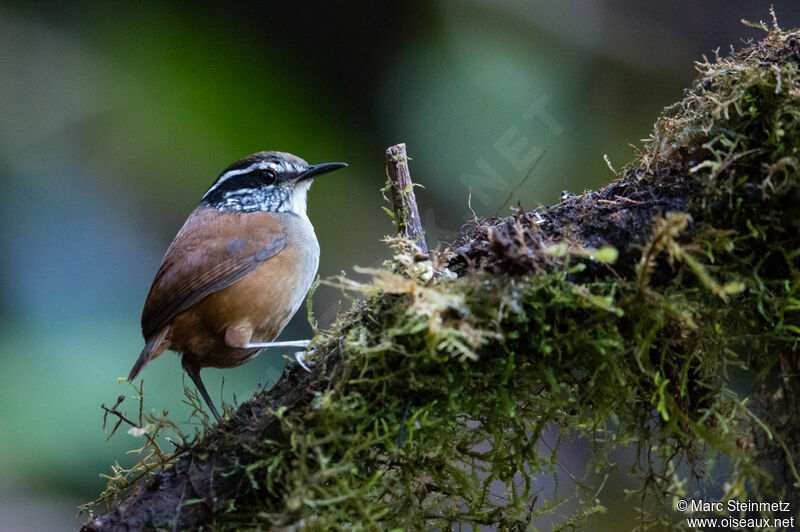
(154,347)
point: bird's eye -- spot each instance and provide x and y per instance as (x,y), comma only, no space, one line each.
(267,176)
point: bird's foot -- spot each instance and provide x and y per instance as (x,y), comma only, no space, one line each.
(300,357)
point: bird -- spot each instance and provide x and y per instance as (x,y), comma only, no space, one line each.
(238,269)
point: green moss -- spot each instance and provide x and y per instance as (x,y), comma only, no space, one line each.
(436,392)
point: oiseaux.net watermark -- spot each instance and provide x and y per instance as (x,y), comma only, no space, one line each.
(736,514)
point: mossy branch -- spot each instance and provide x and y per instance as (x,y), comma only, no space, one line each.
(660,312)
(404,201)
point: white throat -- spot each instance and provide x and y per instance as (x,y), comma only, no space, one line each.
(299,199)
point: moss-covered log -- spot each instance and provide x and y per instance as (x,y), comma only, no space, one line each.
(661,312)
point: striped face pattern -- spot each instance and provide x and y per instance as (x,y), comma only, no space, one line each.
(265,181)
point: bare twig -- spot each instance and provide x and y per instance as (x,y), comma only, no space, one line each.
(122,418)
(404,201)
(113,410)
(522,182)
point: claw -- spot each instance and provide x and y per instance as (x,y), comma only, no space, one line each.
(300,357)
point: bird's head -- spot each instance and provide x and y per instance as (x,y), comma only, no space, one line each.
(266,181)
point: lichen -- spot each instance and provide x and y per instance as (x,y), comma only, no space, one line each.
(442,401)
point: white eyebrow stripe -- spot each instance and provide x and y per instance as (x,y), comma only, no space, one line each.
(233,173)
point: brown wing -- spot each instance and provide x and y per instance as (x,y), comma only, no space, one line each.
(211,251)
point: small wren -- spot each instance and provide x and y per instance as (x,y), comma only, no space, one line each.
(238,269)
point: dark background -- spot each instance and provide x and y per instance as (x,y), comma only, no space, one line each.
(114,121)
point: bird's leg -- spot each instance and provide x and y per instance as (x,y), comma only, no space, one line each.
(239,336)
(289,343)
(299,356)
(194,373)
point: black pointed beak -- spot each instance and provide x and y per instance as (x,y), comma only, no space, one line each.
(318,169)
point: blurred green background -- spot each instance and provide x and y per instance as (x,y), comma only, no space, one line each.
(115,120)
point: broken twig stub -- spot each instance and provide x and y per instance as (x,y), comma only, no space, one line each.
(404,202)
